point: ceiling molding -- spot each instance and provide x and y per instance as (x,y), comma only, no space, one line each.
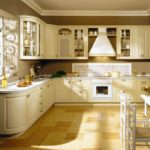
(93,13)
(42,12)
(33,5)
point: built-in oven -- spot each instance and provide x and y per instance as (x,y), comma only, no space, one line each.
(102,90)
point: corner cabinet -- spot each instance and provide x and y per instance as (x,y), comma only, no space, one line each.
(72,42)
(32,34)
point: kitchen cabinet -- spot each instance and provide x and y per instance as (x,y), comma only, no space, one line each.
(80,42)
(36,103)
(48,94)
(51,42)
(139,86)
(80,90)
(18,111)
(32,37)
(62,87)
(11,106)
(125,42)
(125,85)
(142,46)
(72,42)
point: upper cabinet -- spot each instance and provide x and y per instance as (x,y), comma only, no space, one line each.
(125,42)
(39,40)
(133,42)
(72,42)
(51,42)
(32,32)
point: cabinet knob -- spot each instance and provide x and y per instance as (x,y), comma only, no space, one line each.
(48,85)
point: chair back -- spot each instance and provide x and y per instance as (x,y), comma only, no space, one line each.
(124,102)
(131,127)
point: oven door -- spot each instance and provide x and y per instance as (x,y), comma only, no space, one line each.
(102,92)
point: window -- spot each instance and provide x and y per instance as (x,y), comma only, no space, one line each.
(1,46)
(8,46)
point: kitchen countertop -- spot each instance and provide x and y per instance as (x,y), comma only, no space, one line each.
(12,88)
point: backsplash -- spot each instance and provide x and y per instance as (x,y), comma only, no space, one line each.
(100,69)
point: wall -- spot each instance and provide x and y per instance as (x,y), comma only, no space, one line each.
(16,8)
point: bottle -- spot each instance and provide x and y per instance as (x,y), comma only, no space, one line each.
(4,81)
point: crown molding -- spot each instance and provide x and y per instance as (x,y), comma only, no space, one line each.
(93,13)
(42,12)
(32,4)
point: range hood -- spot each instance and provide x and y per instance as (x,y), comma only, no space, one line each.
(102,45)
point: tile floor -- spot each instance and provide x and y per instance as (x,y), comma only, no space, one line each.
(71,128)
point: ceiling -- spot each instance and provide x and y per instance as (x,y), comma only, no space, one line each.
(85,6)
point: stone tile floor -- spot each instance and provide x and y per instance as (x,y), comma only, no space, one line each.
(72,128)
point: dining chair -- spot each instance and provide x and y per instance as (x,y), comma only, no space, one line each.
(135,133)
(125,101)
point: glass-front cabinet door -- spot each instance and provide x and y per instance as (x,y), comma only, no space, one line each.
(30,38)
(80,44)
(125,43)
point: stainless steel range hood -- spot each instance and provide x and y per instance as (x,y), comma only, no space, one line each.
(102,45)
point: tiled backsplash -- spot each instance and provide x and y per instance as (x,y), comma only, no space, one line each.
(100,69)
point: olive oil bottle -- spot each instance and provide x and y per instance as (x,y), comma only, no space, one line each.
(4,81)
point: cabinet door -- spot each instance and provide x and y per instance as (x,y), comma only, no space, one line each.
(51,42)
(125,42)
(31,29)
(42,38)
(62,87)
(126,86)
(80,42)
(80,91)
(15,113)
(48,95)
(36,104)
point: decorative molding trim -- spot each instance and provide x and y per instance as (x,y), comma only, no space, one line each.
(93,13)
(33,5)
(38,9)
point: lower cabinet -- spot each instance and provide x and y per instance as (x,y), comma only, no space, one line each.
(18,111)
(126,85)
(15,114)
(36,104)
(73,90)
(62,87)
(80,90)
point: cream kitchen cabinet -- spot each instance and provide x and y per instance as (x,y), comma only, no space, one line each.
(18,111)
(139,86)
(125,42)
(125,85)
(62,87)
(51,42)
(142,46)
(80,90)
(72,42)
(32,37)
(49,94)
(14,115)
(36,103)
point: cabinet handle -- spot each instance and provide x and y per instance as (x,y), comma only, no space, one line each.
(41,88)
(41,103)
(41,95)
(41,111)
(141,56)
(48,85)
